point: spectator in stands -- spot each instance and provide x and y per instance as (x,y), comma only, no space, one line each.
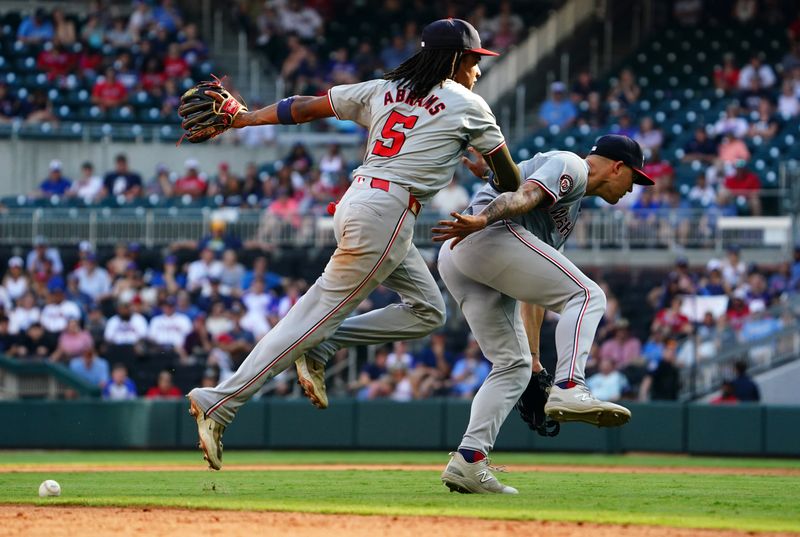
(584,86)
(624,91)
(744,11)
(272,280)
(39,108)
(218,240)
(370,383)
(726,76)
(170,329)
(751,97)
(702,195)
(431,368)
(649,136)
(15,281)
(299,62)
(394,54)
(55,184)
(24,314)
(167,16)
(758,70)
(92,368)
(35,29)
(93,280)
(731,123)
(72,342)
(141,18)
(469,371)
(303,20)
(399,356)
(672,321)
(89,187)
(401,387)
(41,252)
(366,62)
(594,113)
(738,310)
(63,29)
(93,33)
(623,126)
(58,311)
(193,183)
(126,74)
(733,150)
(623,348)
(726,396)
(662,382)
(232,273)
(558,110)
(119,36)
(453,198)
(164,389)
(744,389)
(766,126)
(175,67)
(198,343)
(122,181)
(126,328)
(56,61)
(608,383)
(218,321)
(33,343)
(714,284)
(108,92)
(701,147)
(788,103)
(746,183)
(121,387)
(200,271)
(331,164)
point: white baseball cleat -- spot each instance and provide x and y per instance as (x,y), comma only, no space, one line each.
(578,404)
(209,433)
(311,377)
(473,477)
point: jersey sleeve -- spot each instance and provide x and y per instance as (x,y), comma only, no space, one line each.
(482,129)
(352,101)
(556,179)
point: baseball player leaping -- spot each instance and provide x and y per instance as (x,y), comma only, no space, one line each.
(420,118)
(504,249)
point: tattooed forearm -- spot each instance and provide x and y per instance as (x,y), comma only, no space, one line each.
(509,204)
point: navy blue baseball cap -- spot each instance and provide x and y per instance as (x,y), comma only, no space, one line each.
(453,34)
(618,147)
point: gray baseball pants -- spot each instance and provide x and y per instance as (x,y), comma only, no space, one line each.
(487,274)
(374,230)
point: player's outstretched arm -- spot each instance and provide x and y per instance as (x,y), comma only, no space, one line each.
(299,109)
(506,173)
(506,205)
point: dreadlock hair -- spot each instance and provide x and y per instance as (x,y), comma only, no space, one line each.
(425,69)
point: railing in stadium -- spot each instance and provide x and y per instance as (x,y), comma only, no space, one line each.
(671,230)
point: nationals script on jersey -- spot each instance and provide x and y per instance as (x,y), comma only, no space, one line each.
(416,143)
(562,175)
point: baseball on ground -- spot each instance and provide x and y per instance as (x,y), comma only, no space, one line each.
(49,488)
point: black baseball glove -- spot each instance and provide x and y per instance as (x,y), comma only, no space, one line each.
(208,110)
(531,405)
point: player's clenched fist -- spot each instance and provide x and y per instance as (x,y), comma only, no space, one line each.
(208,110)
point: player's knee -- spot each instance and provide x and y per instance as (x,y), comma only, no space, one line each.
(597,297)
(436,313)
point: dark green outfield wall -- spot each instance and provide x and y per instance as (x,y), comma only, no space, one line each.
(433,424)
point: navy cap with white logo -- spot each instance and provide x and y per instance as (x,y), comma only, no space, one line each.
(453,34)
(627,150)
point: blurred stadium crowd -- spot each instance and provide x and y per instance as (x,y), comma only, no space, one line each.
(715,123)
(198,316)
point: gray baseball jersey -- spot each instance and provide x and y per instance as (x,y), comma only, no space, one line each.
(443,123)
(562,175)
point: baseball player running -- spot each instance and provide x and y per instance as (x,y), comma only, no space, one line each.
(504,249)
(420,118)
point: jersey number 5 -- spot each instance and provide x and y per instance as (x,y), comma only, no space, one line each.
(397,138)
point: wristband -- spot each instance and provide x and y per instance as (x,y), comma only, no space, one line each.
(285,111)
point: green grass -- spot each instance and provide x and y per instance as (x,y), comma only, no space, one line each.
(757,503)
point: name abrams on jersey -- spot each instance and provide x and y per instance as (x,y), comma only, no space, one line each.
(431,102)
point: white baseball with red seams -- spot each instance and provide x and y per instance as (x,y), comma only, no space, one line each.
(49,488)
